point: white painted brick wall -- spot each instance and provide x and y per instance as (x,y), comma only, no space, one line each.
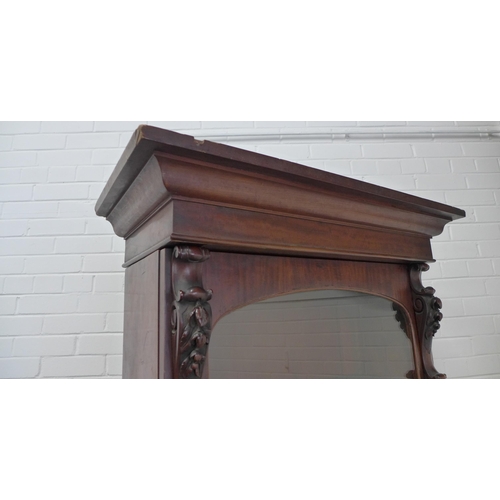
(61,280)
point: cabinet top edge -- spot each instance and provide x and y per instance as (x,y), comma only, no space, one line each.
(147,140)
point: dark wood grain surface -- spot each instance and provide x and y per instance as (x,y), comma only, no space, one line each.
(140,336)
(170,188)
(147,139)
(247,227)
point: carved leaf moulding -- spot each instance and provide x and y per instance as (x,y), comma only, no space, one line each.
(427,315)
(191,312)
(427,311)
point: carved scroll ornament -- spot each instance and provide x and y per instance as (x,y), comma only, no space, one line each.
(191,312)
(427,315)
(401,319)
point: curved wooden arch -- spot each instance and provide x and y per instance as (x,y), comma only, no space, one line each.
(238,280)
(196,288)
(243,279)
(206,286)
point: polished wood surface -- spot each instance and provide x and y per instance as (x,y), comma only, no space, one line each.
(140,336)
(148,140)
(211,228)
(171,189)
(238,280)
(165,301)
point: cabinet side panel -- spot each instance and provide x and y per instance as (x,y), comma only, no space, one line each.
(166,300)
(140,339)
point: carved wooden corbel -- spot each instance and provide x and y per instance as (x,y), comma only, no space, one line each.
(191,312)
(401,319)
(427,315)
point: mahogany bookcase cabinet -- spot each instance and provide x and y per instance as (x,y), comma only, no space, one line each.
(211,228)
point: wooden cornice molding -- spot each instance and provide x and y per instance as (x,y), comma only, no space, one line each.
(170,189)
